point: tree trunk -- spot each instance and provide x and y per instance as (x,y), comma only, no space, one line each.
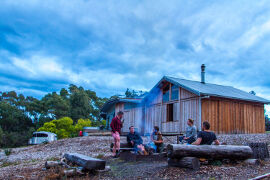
(177,151)
(86,162)
(260,150)
(185,162)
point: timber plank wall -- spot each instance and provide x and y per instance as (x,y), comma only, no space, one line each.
(233,117)
(186,106)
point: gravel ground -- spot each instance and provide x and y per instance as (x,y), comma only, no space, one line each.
(234,139)
(28,162)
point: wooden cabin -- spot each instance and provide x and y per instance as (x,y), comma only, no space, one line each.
(173,101)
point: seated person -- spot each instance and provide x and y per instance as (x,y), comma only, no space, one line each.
(134,140)
(206,137)
(156,137)
(191,133)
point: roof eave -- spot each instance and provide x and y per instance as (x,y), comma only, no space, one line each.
(229,97)
(114,101)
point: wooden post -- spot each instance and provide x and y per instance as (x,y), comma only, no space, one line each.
(185,162)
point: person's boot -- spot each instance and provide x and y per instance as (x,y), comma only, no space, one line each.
(117,153)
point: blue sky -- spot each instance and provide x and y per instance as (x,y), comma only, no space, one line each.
(108,46)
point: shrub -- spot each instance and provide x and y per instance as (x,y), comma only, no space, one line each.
(48,126)
(63,127)
(82,123)
(8,152)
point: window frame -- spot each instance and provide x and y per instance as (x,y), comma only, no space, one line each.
(169,91)
(169,112)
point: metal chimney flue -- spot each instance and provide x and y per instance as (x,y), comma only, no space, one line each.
(203,74)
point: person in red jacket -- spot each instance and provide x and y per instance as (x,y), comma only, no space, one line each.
(116,126)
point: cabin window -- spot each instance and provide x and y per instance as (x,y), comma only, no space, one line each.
(174,92)
(169,112)
(166,93)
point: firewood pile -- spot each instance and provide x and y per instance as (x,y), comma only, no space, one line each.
(74,164)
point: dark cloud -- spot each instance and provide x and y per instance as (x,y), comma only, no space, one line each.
(110,46)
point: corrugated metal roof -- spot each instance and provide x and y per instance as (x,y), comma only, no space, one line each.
(215,90)
(197,88)
(111,102)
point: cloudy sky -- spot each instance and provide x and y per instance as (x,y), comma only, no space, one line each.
(108,46)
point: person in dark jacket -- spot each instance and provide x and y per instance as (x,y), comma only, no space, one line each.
(135,140)
(206,137)
(116,126)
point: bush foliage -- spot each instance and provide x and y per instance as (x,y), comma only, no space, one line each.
(65,127)
(20,116)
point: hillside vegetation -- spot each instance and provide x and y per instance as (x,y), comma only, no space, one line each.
(20,116)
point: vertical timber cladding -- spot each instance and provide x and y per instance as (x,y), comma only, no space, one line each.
(120,107)
(127,116)
(173,126)
(186,107)
(153,117)
(133,117)
(231,116)
(189,108)
(153,111)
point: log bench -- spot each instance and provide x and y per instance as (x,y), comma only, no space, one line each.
(86,162)
(127,154)
(187,156)
(185,162)
(123,147)
(209,151)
